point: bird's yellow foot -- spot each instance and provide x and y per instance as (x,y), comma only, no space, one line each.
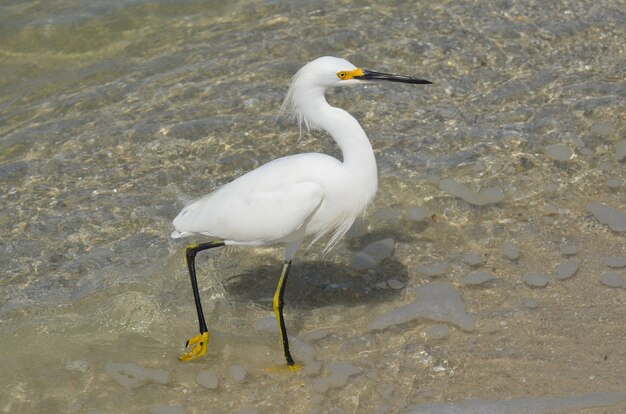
(198,346)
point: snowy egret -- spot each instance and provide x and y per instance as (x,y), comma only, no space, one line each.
(293,197)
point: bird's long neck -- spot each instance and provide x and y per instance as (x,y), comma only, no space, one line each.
(360,179)
(355,147)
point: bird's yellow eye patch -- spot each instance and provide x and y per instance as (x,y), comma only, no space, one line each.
(349,74)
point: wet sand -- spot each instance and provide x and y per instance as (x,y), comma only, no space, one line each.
(490,266)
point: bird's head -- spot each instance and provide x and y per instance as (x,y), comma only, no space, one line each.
(326,72)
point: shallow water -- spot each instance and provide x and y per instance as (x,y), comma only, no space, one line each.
(113,113)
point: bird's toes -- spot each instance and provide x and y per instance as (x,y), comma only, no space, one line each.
(198,346)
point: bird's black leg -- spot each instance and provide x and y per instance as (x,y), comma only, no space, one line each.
(198,342)
(278,311)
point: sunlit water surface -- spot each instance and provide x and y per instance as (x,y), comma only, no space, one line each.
(112,113)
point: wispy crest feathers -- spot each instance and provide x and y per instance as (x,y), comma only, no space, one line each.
(290,106)
(305,89)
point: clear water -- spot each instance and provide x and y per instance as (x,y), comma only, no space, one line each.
(111,112)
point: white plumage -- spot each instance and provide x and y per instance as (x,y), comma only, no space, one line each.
(291,198)
(300,195)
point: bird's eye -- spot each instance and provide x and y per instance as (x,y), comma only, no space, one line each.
(342,75)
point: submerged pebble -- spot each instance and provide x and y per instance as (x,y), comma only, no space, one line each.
(530,303)
(615,262)
(510,250)
(567,269)
(601,128)
(73,407)
(382,285)
(613,279)
(569,249)
(395,284)
(304,352)
(473,259)
(435,269)
(552,187)
(614,183)
(380,250)
(439,302)
(438,332)
(338,374)
(358,228)
(536,279)
(373,254)
(130,375)
(477,278)
(388,215)
(208,379)
(237,372)
(483,197)
(79,365)
(614,218)
(416,213)
(559,152)
(491,327)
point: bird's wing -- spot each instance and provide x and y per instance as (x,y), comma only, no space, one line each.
(250,216)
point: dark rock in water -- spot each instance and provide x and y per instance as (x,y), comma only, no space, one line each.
(483,197)
(13,170)
(613,279)
(438,332)
(559,152)
(131,375)
(567,269)
(615,262)
(510,250)
(415,213)
(435,269)
(436,301)
(536,279)
(473,259)
(601,129)
(207,379)
(614,218)
(569,249)
(477,278)
(373,254)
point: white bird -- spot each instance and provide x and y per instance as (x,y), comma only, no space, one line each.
(293,197)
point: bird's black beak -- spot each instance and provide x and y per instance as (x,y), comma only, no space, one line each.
(370,75)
